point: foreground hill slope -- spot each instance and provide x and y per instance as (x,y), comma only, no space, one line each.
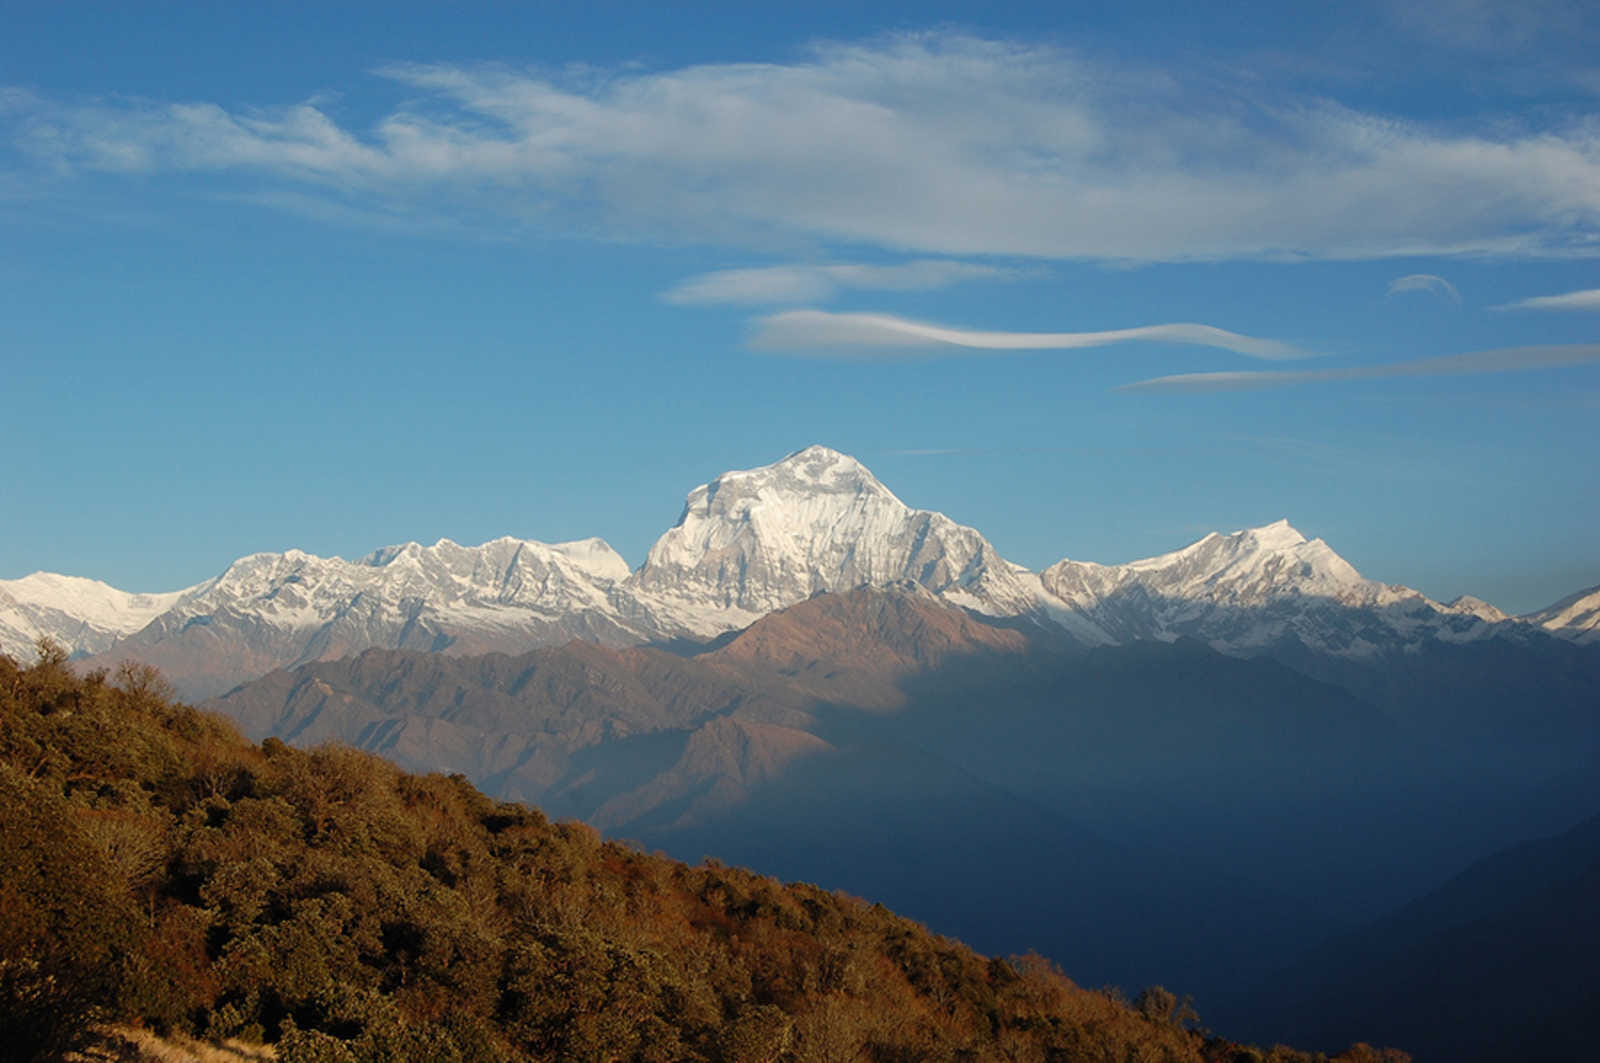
(157,869)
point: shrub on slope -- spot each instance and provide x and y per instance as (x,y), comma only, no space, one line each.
(159,870)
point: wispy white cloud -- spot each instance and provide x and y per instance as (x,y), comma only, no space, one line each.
(811,284)
(930,143)
(1425,282)
(1500,360)
(1584,300)
(822,331)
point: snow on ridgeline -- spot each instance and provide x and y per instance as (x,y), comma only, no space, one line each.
(1575,617)
(748,542)
(412,595)
(399,595)
(84,615)
(1253,588)
(754,541)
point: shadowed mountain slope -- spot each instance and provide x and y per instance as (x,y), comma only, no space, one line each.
(1497,964)
(156,869)
(886,742)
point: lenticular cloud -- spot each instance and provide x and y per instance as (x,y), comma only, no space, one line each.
(1499,360)
(819,331)
(1425,282)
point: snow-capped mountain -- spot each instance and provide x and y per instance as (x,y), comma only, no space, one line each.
(1260,587)
(82,615)
(1479,608)
(748,543)
(269,610)
(755,541)
(1575,617)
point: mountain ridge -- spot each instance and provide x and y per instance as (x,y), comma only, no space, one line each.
(1577,616)
(748,543)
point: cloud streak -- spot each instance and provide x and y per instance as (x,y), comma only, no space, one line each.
(1500,360)
(1584,300)
(1425,282)
(932,143)
(820,331)
(811,284)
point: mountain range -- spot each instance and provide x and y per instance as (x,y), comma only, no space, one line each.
(747,544)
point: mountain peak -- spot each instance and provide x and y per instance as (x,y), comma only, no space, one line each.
(790,498)
(1279,535)
(1221,552)
(819,457)
(816,469)
(1473,606)
(1276,537)
(1235,590)
(762,539)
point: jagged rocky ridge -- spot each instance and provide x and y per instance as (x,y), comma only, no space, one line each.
(747,544)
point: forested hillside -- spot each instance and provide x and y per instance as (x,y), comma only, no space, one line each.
(158,870)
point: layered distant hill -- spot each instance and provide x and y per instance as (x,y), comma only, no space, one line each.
(748,543)
(1496,964)
(1175,814)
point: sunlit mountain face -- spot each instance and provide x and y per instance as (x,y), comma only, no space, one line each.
(749,543)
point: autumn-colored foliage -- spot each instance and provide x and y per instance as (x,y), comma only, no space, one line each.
(158,870)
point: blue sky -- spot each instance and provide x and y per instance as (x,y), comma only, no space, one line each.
(334,278)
